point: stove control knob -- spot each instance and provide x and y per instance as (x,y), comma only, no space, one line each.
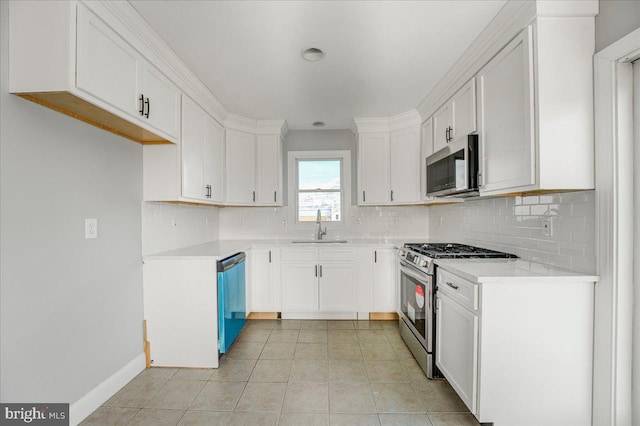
(402,253)
(424,263)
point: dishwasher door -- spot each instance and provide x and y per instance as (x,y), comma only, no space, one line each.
(231,299)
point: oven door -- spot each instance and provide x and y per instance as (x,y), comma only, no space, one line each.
(416,302)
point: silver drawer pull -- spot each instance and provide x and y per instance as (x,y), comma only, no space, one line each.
(455,287)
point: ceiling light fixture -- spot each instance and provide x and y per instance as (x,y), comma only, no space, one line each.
(312,54)
(318,124)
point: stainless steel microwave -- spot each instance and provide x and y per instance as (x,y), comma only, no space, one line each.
(453,171)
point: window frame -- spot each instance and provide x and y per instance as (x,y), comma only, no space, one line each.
(293,190)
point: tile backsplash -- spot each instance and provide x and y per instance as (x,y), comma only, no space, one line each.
(410,222)
(511,224)
(167,226)
(514,224)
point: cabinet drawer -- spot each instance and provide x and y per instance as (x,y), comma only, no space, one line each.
(463,291)
(336,255)
(298,255)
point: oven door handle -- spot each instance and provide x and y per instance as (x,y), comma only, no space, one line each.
(413,272)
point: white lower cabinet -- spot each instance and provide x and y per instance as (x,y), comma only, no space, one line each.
(263,291)
(457,343)
(318,283)
(385,264)
(518,351)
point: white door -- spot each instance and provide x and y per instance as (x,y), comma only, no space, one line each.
(162,101)
(506,117)
(405,165)
(464,110)
(373,154)
(240,167)
(107,66)
(442,121)
(193,152)
(337,287)
(269,170)
(385,263)
(299,287)
(262,291)
(457,343)
(214,159)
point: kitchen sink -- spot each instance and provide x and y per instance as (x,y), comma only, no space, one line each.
(319,241)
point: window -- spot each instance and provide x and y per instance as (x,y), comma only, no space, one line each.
(318,180)
(319,190)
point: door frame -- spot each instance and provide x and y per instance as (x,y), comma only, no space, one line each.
(613,85)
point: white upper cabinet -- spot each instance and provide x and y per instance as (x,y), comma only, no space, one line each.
(214,159)
(536,110)
(240,167)
(373,168)
(405,165)
(456,118)
(442,125)
(269,170)
(192,171)
(426,149)
(506,117)
(66,57)
(202,154)
(107,67)
(161,99)
(389,160)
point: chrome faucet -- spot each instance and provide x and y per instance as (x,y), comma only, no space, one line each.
(320,232)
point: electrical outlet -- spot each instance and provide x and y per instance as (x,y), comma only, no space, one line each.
(547,226)
(90,228)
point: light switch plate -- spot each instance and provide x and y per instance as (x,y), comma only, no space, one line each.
(90,228)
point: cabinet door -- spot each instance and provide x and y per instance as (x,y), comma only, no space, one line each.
(385,262)
(464,110)
(240,167)
(107,66)
(299,287)
(337,287)
(193,152)
(269,172)
(506,117)
(261,281)
(442,120)
(162,101)
(373,156)
(426,149)
(457,348)
(405,165)
(214,159)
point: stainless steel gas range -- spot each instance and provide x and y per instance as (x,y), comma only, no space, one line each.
(418,289)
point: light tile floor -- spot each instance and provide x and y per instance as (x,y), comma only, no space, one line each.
(289,372)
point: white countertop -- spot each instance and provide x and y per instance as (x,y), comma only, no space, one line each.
(223,248)
(509,270)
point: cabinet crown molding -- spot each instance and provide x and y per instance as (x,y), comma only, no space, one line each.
(238,122)
(386,124)
(270,127)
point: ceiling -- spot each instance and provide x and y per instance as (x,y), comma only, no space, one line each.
(382,57)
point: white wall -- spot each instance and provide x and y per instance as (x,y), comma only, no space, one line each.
(512,224)
(168,226)
(635,384)
(70,308)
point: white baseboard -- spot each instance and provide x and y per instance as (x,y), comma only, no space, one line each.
(86,405)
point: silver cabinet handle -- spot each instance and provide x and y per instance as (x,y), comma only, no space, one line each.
(320,271)
(364,196)
(455,287)
(275,196)
(392,195)
(254,196)
(316,270)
